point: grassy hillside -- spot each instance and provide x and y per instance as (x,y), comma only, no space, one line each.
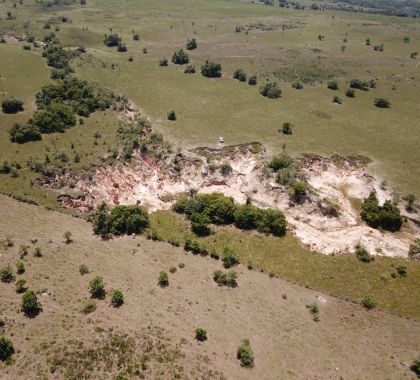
(281,44)
(152,334)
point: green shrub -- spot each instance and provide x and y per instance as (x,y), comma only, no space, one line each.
(37,252)
(136,37)
(200,224)
(163,62)
(30,303)
(387,217)
(240,75)
(163,279)
(88,306)
(191,44)
(382,103)
(225,278)
(6,349)
(245,354)
(414,248)
(12,105)
(121,48)
(20,285)
(297,85)
(350,93)
(172,269)
(333,85)
(362,254)
(247,216)
(6,274)
(287,128)
(271,90)
(401,270)
(211,70)
(56,117)
(214,254)
(22,133)
(112,40)
(314,310)
(180,57)
(97,287)
(415,367)
(358,84)
(230,258)
(83,269)
(68,237)
(272,221)
(172,116)
(20,267)
(368,302)
(189,69)
(280,162)
(117,297)
(252,81)
(200,334)
(128,220)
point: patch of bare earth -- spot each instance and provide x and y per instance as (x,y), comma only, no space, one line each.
(344,182)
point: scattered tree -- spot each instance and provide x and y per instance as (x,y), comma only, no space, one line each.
(350,93)
(225,278)
(6,274)
(191,44)
(252,81)
(271,90)
(287,128)
(20,267)
(211,70)
(368,302)
(180,57)
(68,237)
(97,287)
(30,304)
(6,349)
(189,69)
(240,75)
(333,85)
(20,285)
(387,216)
(163,62)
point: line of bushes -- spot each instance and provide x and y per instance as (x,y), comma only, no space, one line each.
(122,219)
(215,208)
(387,217)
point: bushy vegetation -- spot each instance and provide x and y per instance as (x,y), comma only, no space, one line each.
(97,287)
(191,44)
(333,85)
(172,116)
(368,302)
(20,285)
(189,69)
(163,62)
(79,95)
(415,367)
(218,209)
(240,75)
(382,103)
(200,334)
(6,274)
(112,40)
(230,258)
(20,267)
(30,303)
(163,279)
(387,217)
(6,349)
(11,105)
(271,90)
(88,306)
(180,57)
(225,278)
(287,128)
(121,220)
(211,70)
(362,254)
(117,297)
(245,354)
(360,85)
(252,81)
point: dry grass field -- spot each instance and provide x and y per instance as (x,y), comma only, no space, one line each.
(153,330)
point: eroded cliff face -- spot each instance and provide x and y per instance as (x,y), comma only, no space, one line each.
(326,219)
